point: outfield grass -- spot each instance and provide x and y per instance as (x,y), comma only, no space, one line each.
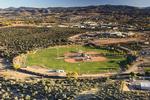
(48,58)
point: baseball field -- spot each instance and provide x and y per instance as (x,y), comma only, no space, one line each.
(76,58)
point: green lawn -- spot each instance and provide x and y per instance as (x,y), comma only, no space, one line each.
(48,58)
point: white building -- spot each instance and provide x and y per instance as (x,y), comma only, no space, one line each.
(141,85)
(145,85)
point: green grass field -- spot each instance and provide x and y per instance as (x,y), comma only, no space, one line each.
(48,58)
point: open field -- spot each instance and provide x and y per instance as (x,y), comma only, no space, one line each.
(53,58)
(146,69)
(115,41)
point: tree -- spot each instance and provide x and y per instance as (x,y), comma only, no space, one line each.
(19,61)
(72,75)
(132,74)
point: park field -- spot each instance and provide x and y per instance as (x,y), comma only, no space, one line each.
(51,58)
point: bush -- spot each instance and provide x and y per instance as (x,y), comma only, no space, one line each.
(72,75)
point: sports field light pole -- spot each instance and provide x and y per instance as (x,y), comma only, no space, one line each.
(57,52)
(79,67)
(25,59)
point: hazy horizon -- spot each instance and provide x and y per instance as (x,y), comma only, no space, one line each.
(71,3)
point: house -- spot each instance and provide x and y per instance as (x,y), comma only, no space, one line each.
(129,33)
(91,23)
(63,26)
(82,26)
(145,52)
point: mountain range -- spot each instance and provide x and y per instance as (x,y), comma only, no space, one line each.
(88,9)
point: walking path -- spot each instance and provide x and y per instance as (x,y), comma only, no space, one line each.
(97,75)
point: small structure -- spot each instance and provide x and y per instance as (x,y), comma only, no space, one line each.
(56,71)
(63,26)
(60,71)
(146,43)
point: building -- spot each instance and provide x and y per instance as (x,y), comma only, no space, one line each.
(141,85)
(145,85)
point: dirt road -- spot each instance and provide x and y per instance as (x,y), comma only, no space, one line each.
(134,68)
(9,73)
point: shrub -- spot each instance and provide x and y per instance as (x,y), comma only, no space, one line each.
(72,75)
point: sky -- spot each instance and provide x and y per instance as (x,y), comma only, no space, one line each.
(70,3)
